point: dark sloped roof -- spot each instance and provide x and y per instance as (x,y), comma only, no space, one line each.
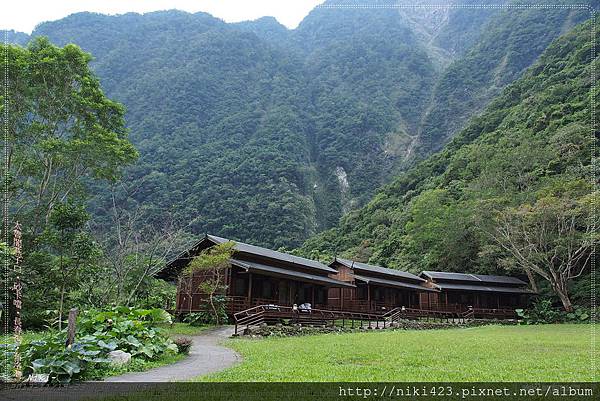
(277,271)
(484,288)
(392,283)
(378,269)
(475,278)
(269,253)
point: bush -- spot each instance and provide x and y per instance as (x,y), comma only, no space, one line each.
(183,344)
(207,315)
(98,333)
(130,330)
(61,363)
(156,294)
(542,312)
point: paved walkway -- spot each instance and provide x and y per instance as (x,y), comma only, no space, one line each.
(206,356)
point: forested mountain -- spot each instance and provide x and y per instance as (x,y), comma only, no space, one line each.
(269,135)
(507,46)
(523,164)
(12,36)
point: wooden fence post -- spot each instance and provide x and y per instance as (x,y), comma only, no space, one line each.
(71,327)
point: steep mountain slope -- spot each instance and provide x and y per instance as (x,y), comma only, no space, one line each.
(269,135)
(243,138)
(221,127)
(532,142)
(511,42)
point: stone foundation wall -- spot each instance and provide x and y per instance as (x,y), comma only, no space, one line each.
(280,330)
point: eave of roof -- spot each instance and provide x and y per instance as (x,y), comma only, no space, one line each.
(393,283)
(483,288)
(378,269)
(269,253)
(475,278)
(280,272)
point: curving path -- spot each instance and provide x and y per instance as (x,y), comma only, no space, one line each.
(206,356)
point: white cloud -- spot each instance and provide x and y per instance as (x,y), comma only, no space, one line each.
(24,15)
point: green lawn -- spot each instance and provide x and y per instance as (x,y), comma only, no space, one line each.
(141,365)
(491,353)
(27,336)
(184,329)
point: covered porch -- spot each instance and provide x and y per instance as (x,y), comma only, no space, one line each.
(250,284)
(376,295)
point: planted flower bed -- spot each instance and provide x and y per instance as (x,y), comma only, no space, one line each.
(135,332)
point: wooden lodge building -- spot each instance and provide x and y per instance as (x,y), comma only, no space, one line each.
(260,276)
(257,276)
(478,291)
(376,289)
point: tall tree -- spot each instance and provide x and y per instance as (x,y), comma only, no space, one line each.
(63,133)
(70,247)
(553,238)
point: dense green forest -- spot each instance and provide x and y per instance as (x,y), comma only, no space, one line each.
(177,124)
(269,135)
(513,191)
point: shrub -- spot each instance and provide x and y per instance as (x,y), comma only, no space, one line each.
(98,333)
(183,344)
(61,363)
(207,315)
(197,318)
(130,330)
(542,312)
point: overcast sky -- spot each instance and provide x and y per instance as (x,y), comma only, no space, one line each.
(24,15)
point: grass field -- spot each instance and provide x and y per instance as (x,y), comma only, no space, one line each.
(183,329)
(491,353)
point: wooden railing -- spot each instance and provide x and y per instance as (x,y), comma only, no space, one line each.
(271,313)
(494,313)
(426,314)
(260,314)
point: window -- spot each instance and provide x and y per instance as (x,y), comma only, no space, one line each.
(240,287)
(267,289)
(320,296)
(361,292)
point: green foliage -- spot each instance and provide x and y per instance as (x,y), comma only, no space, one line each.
(510,42)
(543,312)
(98,332)
(197,318)
(128,329)
(64,135)
(531,146)
(256,132)
(212,259)
(154,294)
(49,356)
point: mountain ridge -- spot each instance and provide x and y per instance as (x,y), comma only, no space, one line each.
(270,135)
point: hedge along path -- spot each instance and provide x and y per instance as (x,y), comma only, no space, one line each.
(206,356)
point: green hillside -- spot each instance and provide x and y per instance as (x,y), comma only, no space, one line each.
(269,135)
(528,151)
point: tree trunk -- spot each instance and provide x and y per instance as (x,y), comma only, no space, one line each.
(561,289)
(564,298)
(60,307)
(212,305)
(531,278)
